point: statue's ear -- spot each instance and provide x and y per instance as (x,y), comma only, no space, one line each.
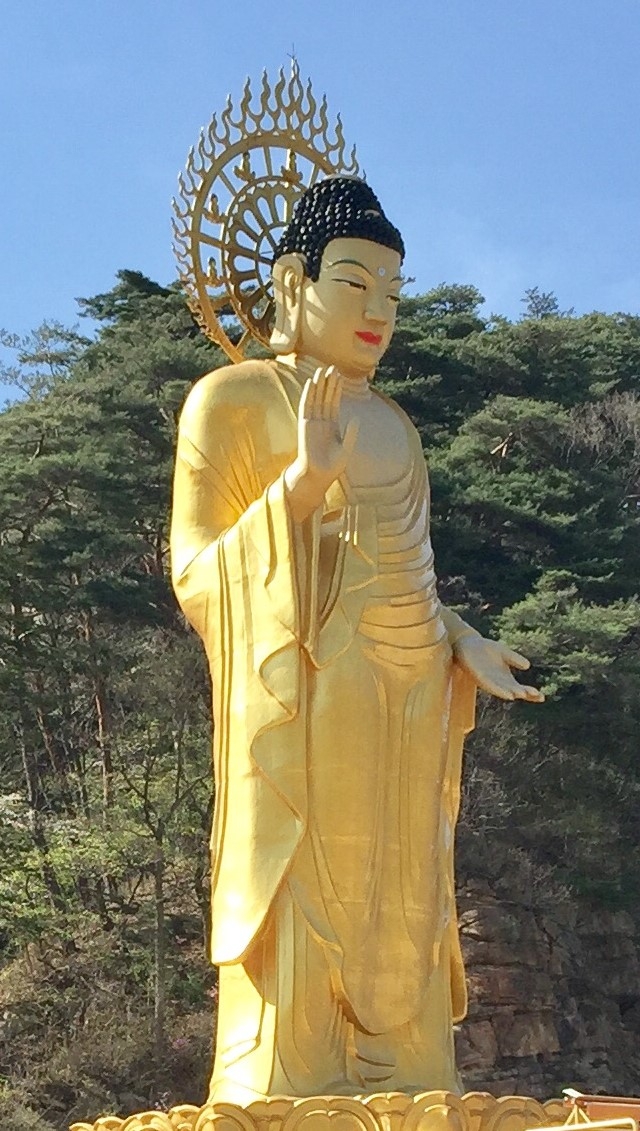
(288,277)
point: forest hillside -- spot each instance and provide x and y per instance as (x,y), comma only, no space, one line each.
(532,434)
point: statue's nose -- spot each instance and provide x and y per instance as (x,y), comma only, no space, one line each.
(375,310)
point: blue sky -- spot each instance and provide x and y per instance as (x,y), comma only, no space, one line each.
(503,136)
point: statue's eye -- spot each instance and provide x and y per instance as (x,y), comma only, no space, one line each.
(352,283)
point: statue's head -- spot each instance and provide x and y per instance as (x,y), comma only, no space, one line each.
(336,274)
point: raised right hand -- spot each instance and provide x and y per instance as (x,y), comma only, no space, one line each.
(323,450)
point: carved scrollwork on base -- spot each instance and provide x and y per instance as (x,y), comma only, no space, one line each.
(383,1111)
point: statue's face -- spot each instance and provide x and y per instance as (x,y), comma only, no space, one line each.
(348,315)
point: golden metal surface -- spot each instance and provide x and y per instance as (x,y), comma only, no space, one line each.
(342,689)
(236,195)
(342,694)
(383,1111)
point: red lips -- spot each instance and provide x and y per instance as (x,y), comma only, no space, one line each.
(368,337)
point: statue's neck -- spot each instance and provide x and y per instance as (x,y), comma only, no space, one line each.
(304,366)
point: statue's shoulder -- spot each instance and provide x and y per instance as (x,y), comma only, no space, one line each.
(412,431)
(248,385)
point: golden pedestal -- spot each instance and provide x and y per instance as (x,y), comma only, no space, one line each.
(383,1111)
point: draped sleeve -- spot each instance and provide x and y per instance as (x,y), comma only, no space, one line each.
(239,568)
(455,626)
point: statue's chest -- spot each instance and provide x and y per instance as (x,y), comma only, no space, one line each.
(381,454)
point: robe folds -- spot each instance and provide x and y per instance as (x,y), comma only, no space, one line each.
(301,683)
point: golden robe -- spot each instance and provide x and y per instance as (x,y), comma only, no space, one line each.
(339,722)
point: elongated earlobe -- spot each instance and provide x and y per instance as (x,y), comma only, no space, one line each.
(288,276)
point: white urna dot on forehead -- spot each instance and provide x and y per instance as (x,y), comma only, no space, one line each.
(381,271)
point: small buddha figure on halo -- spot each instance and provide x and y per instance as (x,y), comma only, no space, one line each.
(342,688)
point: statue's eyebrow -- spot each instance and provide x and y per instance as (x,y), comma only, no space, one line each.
(353,262)
(357,263)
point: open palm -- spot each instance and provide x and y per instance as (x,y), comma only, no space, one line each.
(322,447)
(489,662)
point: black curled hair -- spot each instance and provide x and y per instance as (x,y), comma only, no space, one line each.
(338,207)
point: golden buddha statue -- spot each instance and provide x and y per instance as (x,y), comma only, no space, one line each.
(342,688)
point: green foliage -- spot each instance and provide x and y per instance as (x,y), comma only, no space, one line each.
(17,1113)
(572,643)
(532,432)
(105,736)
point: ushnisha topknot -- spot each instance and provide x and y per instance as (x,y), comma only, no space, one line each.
(336,208)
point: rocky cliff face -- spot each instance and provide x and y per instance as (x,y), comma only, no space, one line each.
(554,998)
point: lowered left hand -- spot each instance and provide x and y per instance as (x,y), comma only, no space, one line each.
(489,662)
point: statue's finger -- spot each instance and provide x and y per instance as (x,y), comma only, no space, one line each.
(515,659)
(531,694)
(336,395)
(307,399)
(328,391)
(322,373)
(315,400)
(495,688)
(322,378)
